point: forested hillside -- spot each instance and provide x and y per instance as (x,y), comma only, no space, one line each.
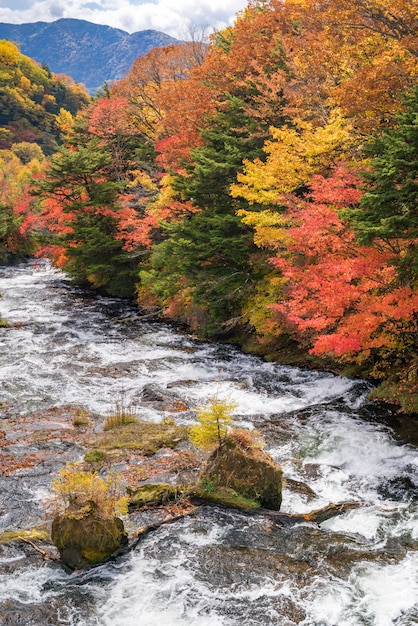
(36,111)
(31,99)
(263,190)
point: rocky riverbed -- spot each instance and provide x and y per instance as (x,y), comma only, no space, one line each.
(67,359)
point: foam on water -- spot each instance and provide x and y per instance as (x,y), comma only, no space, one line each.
(28,585)
(364,451)
(76,345)
(375,595)
(251,401)
(353,456)
(172,597)
(162,592)
(366,522)
(170,591)
(388,591)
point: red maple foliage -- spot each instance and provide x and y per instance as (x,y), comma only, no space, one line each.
(346,299)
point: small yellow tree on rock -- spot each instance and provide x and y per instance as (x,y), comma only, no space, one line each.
(88,530)
(214,419)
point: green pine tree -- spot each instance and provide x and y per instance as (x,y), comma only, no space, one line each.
(80,177)
(212,250)
(389,207)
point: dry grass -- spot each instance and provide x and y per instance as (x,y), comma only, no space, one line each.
(121,415)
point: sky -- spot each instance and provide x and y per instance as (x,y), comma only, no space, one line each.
(176,18)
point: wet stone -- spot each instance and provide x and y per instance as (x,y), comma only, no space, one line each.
(51,612)
(249,471)
(85,537)
(162,400)
(400,489)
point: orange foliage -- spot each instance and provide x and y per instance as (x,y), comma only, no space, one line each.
(356,54)
(144,87)
(236,59)
(343,297)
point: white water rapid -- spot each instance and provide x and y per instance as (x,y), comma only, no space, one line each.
(67,346)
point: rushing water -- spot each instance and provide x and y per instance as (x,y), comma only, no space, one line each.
(217,568)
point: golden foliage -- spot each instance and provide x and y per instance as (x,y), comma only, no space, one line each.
(294,154)
(76,486)
(270,228)
(259,310)
(214,419)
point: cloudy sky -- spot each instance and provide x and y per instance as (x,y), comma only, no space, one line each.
(168,16)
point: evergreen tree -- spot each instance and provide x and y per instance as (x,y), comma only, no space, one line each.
(212,249)
(79,179)
(388,210)
(230,137)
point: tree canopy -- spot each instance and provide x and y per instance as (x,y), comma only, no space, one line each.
(262,187)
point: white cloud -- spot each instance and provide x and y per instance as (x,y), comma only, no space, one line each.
(130,15)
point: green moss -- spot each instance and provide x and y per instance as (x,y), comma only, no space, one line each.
(95,456)
(16,535)
(3,323)
(84,537)
(94,556)
(281,349)
(225,497)
(403,394)
(146,437)
(155,494)
(248,471)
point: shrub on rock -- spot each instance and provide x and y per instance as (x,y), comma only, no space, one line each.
(86,529)
(214,419)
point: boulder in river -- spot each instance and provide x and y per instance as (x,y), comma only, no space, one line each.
(162,400)
(85,537)
(248,471)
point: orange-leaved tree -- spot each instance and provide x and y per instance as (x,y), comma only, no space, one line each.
(342,298)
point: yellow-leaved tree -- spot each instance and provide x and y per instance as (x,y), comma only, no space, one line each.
(293,155)
(214,419)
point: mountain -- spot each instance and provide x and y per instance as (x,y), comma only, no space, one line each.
(90,53)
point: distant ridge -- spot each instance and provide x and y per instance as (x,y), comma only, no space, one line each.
(90,53)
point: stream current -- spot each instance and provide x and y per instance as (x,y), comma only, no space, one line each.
(219,567)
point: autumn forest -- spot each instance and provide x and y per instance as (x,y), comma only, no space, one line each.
(260,188)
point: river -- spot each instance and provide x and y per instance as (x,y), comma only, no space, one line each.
(68,346)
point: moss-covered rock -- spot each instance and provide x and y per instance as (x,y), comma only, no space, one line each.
(7,536)
(224,496)
(144,437)
(155,494)
(84,537)
(249,472)
(95,456)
